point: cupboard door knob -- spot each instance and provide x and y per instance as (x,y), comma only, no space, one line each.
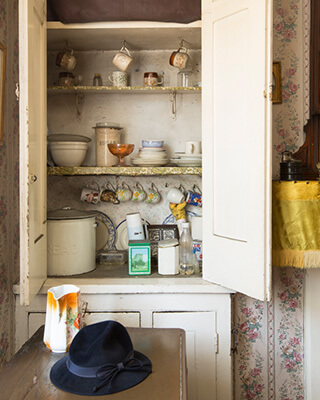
(32,178)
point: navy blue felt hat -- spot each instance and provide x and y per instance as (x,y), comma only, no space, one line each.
(101,361)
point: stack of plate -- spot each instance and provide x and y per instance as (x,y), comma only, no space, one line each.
(151,157)
(187,160)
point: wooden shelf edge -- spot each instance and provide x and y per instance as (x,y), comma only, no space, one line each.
(126,171)
(124,89)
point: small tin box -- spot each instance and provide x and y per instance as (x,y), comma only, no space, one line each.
(139,257)
(168,257)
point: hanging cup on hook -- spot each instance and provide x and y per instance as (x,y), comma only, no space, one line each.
(66,60)
(179,58)
(123,59)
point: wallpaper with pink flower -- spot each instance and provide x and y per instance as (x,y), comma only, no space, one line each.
(269,354)
(269,361)
(290,45)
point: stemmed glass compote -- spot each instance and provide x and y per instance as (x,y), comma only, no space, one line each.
(121,151)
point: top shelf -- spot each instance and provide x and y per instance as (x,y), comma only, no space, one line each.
(139,35)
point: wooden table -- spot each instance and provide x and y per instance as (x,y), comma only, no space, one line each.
(26,376)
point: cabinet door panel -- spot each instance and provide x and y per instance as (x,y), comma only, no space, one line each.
(236,129)
(130,319)
(33,128)
(200,330)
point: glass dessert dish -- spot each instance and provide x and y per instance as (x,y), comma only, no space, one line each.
(121,151)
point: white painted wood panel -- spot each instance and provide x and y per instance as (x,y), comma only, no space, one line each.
(130,319)
(236,134)
(33,117)
(200,328)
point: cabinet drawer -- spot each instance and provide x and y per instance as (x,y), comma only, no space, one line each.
(128,319)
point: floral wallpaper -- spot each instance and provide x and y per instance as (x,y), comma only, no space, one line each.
(9,177)
(290,46)
(269,360)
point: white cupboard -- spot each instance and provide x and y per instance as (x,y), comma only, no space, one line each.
(204,313)
(236,115)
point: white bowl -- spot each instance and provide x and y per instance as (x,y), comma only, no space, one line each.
(68,154)
(152,143)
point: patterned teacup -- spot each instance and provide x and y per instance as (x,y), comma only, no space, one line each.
(118,78)
(153,195)
(124,193)
(138,194)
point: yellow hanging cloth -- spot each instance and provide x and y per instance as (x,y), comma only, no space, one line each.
(296,224)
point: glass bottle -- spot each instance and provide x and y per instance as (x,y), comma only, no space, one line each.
(186,257)
(97,80)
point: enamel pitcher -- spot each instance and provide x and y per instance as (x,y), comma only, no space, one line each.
(63,317)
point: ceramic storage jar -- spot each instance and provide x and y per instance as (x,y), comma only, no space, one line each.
(106,132)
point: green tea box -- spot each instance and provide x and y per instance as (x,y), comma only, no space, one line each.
(139,257)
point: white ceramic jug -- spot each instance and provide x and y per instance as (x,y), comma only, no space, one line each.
(63,317)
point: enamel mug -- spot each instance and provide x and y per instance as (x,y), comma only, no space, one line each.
(122,59)
(179,58)
(63,317)
(193,148)
(66,60)
(152,79)
(91,195)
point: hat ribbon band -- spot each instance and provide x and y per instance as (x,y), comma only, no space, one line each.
(107,372)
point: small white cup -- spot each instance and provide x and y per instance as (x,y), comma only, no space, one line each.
(118,78)
(193,148)
(175,196)
(122,59)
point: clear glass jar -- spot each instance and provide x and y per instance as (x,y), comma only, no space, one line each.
(97,80)
(186,256)
(66,79)
(184,79)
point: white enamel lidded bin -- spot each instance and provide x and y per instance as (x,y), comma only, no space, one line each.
(71,241)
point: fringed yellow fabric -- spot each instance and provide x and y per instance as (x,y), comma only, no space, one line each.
(296,224)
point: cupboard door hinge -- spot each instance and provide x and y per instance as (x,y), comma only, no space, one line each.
(268,94)
(234,348)
(216,343)
(17,91)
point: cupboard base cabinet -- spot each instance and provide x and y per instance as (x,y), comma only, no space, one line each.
(205,317)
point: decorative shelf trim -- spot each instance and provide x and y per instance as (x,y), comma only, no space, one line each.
(128,171)
(123,89)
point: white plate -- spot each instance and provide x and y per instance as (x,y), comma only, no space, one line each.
(106,232)
(122,235)
(149,163)
(186,163)
(151,149)
(191,156)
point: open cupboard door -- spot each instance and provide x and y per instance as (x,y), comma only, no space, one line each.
(33,143)
(236,131)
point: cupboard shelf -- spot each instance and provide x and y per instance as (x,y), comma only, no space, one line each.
(124,89)
(125,171)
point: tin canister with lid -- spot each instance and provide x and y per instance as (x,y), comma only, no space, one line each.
(290,169)
(106,132)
